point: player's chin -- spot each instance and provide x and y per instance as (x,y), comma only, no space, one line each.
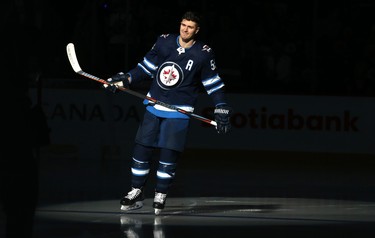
(185,37)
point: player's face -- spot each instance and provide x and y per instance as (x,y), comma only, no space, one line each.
(188,30)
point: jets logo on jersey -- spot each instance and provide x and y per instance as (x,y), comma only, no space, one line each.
(169,75)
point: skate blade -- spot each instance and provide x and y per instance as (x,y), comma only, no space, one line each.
(135,206)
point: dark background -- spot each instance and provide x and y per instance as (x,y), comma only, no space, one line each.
(306,47)
(310,47)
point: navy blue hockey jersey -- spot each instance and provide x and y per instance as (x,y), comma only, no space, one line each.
(178,74)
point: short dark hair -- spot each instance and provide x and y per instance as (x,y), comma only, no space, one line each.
(192,16)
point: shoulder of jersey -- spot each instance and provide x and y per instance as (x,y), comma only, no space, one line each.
(168,36)
(204,48)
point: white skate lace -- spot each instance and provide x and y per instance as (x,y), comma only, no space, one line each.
(160,197)
(133,193)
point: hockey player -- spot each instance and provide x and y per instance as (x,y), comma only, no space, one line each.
(178,66)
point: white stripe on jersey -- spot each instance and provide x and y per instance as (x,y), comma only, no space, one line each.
(162,108)
(210,81)
(145,70)
(166,109)
(149,64)
(215,88)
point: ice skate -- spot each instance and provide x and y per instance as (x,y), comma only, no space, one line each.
(159,202)
(133,200)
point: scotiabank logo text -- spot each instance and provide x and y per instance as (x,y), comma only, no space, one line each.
(293,120)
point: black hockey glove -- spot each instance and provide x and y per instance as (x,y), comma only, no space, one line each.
(118,80)
(222,117)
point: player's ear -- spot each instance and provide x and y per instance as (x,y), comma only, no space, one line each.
(196,31)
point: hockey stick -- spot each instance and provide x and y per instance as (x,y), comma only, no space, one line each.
(77,68)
